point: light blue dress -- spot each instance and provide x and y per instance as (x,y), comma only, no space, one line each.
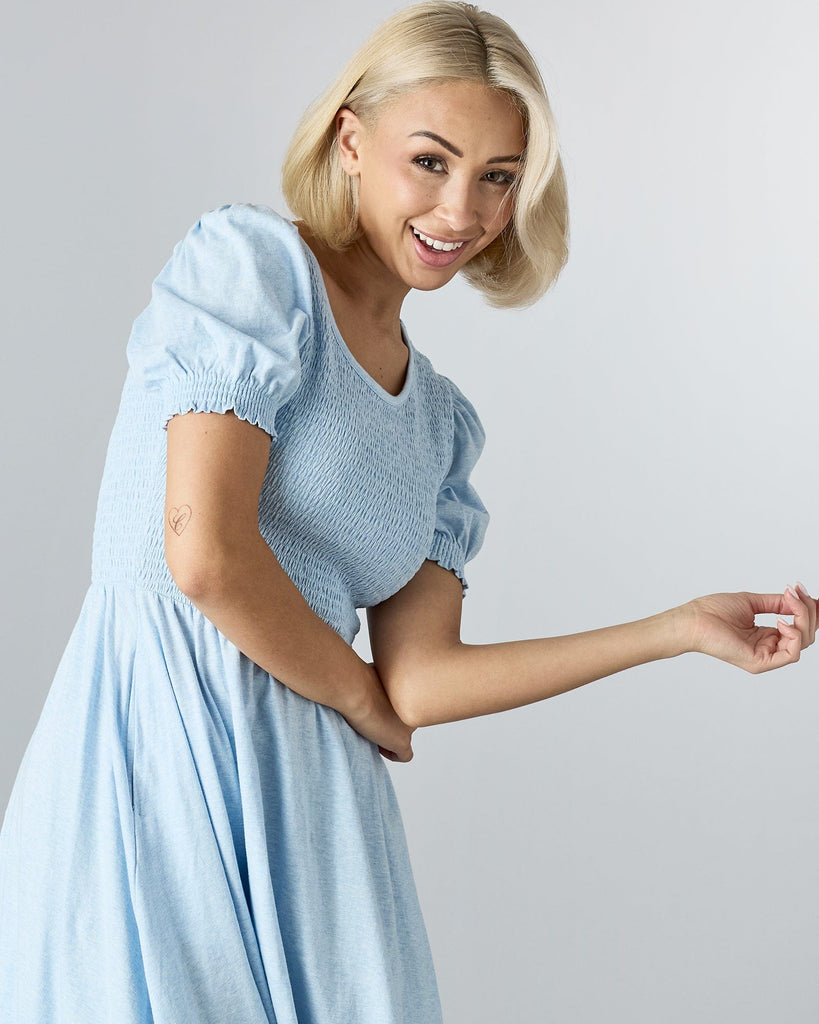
(189,841)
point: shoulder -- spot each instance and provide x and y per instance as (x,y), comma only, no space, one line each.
(439,388)
(461,432)
(468,434)
(236,238)
(239,261)
(465,416)
(454,406)
(251,221)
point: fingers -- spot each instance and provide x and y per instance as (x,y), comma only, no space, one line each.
(812,606)
(789,646)
(765,604)
(405,756)
(795,601)
(784,644)
(798,603)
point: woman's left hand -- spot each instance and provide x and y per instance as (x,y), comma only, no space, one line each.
(723,625)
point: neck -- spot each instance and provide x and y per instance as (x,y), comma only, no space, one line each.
(356,278)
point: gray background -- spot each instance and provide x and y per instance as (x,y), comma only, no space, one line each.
(644,848)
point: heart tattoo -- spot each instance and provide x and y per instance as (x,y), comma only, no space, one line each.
(179,518)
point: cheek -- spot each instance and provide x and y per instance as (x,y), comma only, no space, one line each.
(395,192)
(503,214)
(409,194)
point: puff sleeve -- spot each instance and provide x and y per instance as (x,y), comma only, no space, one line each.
(461,517)
(227,316)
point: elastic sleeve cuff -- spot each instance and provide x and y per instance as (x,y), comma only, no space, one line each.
(447,552)
(210,393)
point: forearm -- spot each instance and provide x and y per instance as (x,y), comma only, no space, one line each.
(469,680)
(252,601)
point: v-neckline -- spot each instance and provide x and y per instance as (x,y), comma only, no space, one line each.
(382,392)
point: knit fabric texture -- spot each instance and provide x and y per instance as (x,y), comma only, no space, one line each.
(361,486)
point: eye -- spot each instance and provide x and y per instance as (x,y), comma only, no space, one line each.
(429,163)
(500,177)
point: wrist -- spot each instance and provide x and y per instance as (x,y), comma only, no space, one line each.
(680,626)
(363,692)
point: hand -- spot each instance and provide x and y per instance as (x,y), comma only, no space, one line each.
(723,626)
(377,721)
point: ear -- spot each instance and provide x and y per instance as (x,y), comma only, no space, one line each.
(348,137)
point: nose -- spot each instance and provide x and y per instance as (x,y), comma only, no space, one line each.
(459,206)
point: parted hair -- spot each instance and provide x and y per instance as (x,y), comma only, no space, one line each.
(425,44)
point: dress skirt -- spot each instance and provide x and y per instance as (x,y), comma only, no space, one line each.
(189,841)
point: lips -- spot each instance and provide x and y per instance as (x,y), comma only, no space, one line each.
(433,257)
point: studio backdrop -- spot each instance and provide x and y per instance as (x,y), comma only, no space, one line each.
(642,849)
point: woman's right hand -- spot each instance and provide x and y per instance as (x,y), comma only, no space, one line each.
(376,720)
(724,626)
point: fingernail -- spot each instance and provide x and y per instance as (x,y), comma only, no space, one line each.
(802,588)
(789,589)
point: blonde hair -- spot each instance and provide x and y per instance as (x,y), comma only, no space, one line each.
(425,44)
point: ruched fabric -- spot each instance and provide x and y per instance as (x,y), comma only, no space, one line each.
(188,841)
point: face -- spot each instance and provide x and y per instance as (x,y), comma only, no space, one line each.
(434,170)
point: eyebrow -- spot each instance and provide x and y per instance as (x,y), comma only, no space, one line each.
(515,158)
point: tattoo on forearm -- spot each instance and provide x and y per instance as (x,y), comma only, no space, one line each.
(179,518)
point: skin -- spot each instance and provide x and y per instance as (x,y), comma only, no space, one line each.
(405,179)
(422,673)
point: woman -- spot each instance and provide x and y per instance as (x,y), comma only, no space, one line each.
(203,828)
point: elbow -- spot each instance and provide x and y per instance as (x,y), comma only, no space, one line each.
(211,559)
(408,687)
(423,686)
(199,577)
(410,712)
(400,692)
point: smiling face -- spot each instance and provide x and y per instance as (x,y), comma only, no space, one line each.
(434,170)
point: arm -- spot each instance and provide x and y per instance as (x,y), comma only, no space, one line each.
(217,556)
(432,677)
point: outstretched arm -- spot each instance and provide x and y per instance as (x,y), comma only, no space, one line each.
(432,677)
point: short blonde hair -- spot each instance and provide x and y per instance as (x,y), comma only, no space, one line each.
(425,44)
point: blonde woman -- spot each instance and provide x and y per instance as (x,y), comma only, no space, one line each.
(203,827)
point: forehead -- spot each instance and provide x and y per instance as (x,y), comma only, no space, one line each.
(468,114)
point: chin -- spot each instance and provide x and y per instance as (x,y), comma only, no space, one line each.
(431,281)
(431,286)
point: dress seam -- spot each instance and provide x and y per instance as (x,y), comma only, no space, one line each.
(139,585)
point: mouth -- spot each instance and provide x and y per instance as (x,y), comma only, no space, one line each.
(436,243)
(436,252)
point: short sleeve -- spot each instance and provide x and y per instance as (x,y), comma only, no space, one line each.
(461,517)
(228,314)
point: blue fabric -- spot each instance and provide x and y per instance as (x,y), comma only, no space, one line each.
(461,517)
(188,841)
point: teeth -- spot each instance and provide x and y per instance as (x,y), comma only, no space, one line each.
(433,243)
